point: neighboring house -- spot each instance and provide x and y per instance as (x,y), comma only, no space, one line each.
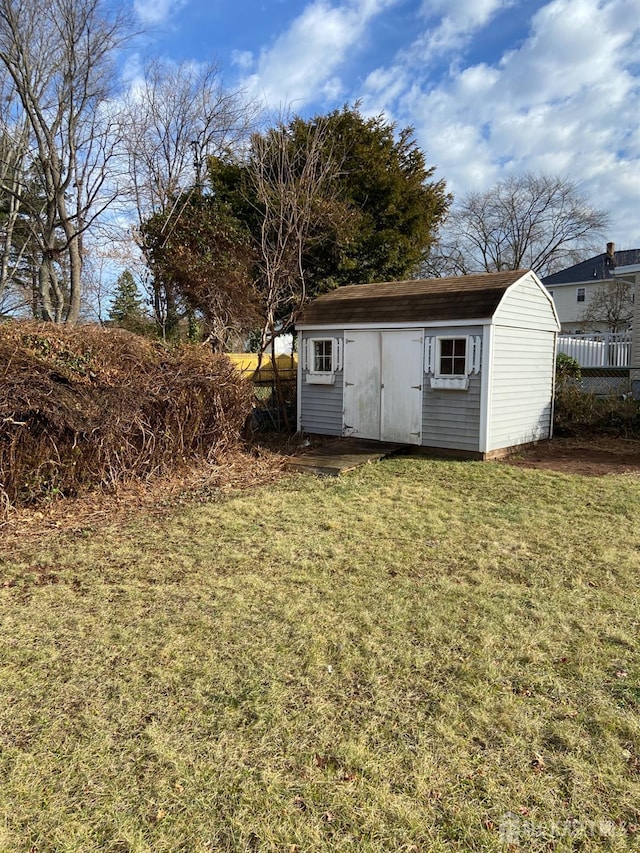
(461,364)
(574,287)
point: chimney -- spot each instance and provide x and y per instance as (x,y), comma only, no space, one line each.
(610,258)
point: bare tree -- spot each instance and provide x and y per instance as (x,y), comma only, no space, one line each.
(610,305)
(14,141)
(296,192)
(177,115)
(540,222)
(294,184)
(58,57)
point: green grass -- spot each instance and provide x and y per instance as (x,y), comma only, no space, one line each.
(392,660)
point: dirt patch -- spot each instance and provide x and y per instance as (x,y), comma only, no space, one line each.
(592,458)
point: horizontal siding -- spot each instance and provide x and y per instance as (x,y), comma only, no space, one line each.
(522,386)
(451,419)
(526,306)
(321,405)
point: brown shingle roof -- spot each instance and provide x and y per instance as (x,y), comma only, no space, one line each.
(466,297)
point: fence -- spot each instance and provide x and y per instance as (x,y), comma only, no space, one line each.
(598,350)
(268,411)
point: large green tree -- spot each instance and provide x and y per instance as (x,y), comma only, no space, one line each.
(391,205)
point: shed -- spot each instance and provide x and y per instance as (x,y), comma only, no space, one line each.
(462,364)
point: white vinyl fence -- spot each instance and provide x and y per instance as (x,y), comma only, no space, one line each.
(606,350)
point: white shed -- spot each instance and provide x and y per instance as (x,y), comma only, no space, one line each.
(455,364)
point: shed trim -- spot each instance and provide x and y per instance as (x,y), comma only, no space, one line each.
(485,386)
(416,324)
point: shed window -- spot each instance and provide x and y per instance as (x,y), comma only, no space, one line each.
(322,355)
(580,294)
(453,357)
(321,358)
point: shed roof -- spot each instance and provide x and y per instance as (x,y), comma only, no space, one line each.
(466,297)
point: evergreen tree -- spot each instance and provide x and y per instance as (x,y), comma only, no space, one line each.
(126,310)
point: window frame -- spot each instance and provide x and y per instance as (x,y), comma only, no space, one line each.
(439,356)
(313,342)
(321,377)
(581,292)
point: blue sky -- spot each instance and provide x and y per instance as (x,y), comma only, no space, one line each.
(492,87)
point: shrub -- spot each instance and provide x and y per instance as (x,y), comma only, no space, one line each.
(578,412)
(88,406)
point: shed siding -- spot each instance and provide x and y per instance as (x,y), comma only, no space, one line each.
(526,305)
(451,419)
(320,405)
(521,386)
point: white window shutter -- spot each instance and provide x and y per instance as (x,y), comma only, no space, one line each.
(475,342)
(429,355)
(338,358)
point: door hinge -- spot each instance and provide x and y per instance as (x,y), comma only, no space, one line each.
(414,433)
(418,388)
(348,383)
(348,340)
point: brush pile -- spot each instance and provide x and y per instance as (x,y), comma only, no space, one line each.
(87,406)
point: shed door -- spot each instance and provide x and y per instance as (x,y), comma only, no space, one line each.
(383,385)
(401,392)
(362,384)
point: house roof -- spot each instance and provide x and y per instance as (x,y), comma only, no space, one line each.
(462,298)
(597,268)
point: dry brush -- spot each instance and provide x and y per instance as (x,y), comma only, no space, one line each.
(88,406)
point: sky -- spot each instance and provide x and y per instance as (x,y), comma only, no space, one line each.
(491,87)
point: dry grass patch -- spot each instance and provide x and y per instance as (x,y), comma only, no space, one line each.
(393,660)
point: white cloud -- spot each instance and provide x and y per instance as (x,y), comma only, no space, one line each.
(157,11)
(306,58)
(567,100)
(460,19)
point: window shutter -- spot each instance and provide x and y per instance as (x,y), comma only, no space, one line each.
(430,355)
(475,347)
(337,359)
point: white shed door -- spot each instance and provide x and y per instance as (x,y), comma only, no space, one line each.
(401,392)
(383,385)
(362,384)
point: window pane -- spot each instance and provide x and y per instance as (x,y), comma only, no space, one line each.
(453,361)
(322,356)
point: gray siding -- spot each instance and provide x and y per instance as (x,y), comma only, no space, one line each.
(521,386)
(321,405)
(527,305)
(451,419)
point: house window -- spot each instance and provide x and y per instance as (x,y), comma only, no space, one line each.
(580,294)
(322,355)
(453,357)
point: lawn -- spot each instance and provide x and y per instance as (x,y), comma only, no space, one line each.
(420,656)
